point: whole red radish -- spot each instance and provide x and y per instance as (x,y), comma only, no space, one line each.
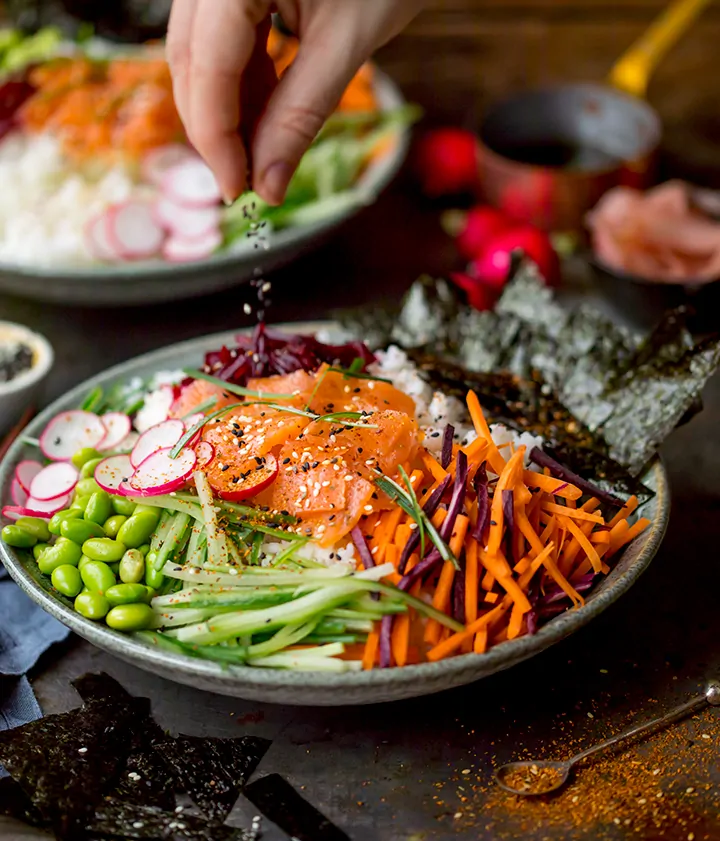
(446,162)
(483,224)
(494,264)
(479,295)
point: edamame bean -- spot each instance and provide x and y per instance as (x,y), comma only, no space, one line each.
(104,549)
(66,580)
(34,525)
(92,605)
(79,504)
(132,567)
(19,538)
(130,617)
(82,457)
(128,594)
(138,528)
(81,530)
(39,548)
(83,560)
(63,552)
(87,471)
(97,577)
(123,505)
(144,549)
(87,486)
(58,519)
(99,507)
(115,568)
(114,524)
(153,577)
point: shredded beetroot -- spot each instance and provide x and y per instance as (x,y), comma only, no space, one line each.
(483,517)
(420,570)
(366,557)
(508,507)
(430,507)
(446,455)
(458,593)
(554,594)
(265,353)
(542,459)
(458,496)
(385,638)
(13,94)
(561,488)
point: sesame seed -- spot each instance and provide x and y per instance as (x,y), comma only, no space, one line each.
(82,750)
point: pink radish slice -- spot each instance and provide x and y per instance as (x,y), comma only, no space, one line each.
(55,480)
(160,437)
(69,432)
(160,474)
(118,426)
(98,241)
(180,250)
(191,184)
(205,453)
(190,423)
(14,512)
(158,161)
(46,507)
(133,231)
(112,472)
(128,442)
(18,493)
(186,222)
(25,472)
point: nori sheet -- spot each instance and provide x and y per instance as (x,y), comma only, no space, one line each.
(280,803)
(16,804)
(629,392)
(212,771)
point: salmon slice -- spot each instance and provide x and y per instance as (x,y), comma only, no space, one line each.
(197,392)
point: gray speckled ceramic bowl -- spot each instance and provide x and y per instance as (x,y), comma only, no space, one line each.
(150,282)
(285,687)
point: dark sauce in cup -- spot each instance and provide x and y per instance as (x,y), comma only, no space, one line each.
(16,358)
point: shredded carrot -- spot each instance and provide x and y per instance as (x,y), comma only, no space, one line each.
(433,466)
(372,645)
(575,514)
(516,623)
(507,481)
(476,449)
(600,537)
(495,459)
(551,485)
(481,641)
(491,597)
(625,511)
(443,591)
(456,640)
(522,566)
(471,580)
(585,544)
(402,534)
(400,636)
(630,535)
(385,534)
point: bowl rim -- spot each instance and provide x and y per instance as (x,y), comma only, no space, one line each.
(461,668)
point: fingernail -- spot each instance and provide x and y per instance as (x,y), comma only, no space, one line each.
(227,201)
(275,181)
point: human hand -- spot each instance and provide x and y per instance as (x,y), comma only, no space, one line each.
(212,42)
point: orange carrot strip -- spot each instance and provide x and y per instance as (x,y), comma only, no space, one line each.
(389,527)
(371,649)
(590,504)
(625,511)
(496,461)
(575,514)
(481,641)
(475,450)
(456,640)
(507,481)
(598,537)
(630,535)
(400,637)
(415,477)
(488,581)
(516,623)
(433,467)
(443,591)
(585,544)
(402,534)
(491,597)
(522,565)
(551,485)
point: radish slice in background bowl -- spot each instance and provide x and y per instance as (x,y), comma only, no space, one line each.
(187,222)
(55,480)
(98,241)
(205,453)
(178,249)
(159,437)
(158,161)
(161,474)
(118,426)
(133,231)
(25,472)
(113,471)
(69,432)
(191,184)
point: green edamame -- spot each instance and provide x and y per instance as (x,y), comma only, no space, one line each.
(138,528)
(66,580)
(114,524)
(58,519)
(34,525)
(123,505)
(81,530)
(63,552)
(87,471)
(144,549)
(79,504)
(97,577)
(128,594)
(132,567)
(104,549)
(39,548)
(130,617)
(92,605)
(99,507)
(115,567)
(153,577)
(87,486)
(83,560)
(19,538)
(82,457)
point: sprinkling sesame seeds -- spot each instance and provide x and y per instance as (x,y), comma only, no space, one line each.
(82,750)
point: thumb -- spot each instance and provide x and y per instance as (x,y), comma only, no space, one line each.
(307,94)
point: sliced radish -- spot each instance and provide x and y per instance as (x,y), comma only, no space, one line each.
(190,422)
(192,184)
(118,426)
(180,250)
(161,474)
(186,222)
(18,493)
(25,472)
(159,160)
(97,239)
(205,453)
(160,437)
(133,231)
(55,480)
(36,508)
(69,432)
(128,442)
(113,471)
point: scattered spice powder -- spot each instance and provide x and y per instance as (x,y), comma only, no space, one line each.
(533,778)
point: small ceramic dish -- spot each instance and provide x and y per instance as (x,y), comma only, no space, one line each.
(34,363)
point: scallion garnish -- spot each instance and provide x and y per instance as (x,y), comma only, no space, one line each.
(417,509)
(348,373)
(232,388)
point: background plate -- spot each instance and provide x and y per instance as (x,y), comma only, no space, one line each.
(301,688)
(152,282)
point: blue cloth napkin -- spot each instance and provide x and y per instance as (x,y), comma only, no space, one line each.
(26,632)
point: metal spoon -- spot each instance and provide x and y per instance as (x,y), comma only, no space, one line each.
(548,775)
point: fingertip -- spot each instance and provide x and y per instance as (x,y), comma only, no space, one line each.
(274,182)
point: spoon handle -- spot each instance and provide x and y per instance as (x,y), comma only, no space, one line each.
(683,710)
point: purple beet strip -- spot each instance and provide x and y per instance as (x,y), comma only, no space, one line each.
(366,557)
(561,488)
(555,594)
(420,570)
(386,625)
(447,442)
(458,496)
(458,600)
(508,507)
(483,500)
(561,472)
(430,507)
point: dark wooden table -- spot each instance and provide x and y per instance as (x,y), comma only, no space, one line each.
(418,770)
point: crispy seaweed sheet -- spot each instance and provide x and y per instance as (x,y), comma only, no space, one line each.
(625,393)
(118,819)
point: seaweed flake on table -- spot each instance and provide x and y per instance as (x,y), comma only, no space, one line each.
(212,771)
(279,802)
